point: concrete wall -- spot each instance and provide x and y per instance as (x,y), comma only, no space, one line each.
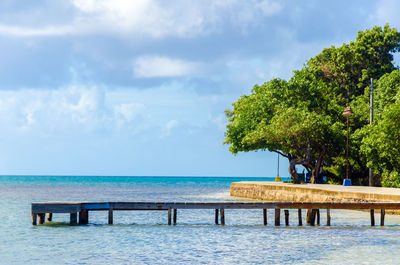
(273,191)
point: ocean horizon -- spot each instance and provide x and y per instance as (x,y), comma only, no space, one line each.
(145,238)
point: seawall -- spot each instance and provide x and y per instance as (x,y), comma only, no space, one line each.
(288,192)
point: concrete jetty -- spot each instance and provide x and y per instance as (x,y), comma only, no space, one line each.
(279,191)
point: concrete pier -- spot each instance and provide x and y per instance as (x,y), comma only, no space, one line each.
(279,191)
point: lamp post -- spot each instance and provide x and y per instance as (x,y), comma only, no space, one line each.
(347,112)
(278,178)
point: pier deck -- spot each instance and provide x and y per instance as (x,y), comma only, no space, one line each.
(82,209)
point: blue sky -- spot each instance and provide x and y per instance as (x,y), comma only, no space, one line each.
(120,87)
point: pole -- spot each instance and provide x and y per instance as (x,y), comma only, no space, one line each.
(347,150)
(371,119)
(277,174)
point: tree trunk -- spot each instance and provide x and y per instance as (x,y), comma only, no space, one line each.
(292,171)
(292,168)
(316,170)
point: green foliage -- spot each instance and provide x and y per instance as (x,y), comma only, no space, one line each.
(387,90)
(302,118)
(381,145)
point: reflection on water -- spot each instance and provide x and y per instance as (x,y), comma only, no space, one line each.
(143,237)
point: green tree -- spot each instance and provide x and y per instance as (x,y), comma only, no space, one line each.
(381,141)
(302,120)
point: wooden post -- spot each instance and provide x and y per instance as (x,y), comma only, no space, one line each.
(382,217)
(308,216)
(42,218)
(265,216)
(216,216)
(286,217)
(49,217)
(73,218)
(34,218)
(300,218)
(277,217)
(372,213)
(328,217)
(312,216)
(110,217)
(83,217)
(318,217)
(222,216)
(175,214)
(169,216)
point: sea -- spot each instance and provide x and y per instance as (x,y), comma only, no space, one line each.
(143,237)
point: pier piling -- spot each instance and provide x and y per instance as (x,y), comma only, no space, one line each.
(175,215)
(382,217)
(286,217)
(328,217)
(83,217)
(49,217)
(42,218)
(300,218)
(169,216)
(265,216)
(277,217)
(222,216)
(73,218)
(313,216)
(34,218)
(216,216)
(110,217)
(372,213)
(318,217)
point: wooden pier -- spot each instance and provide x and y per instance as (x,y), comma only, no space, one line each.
(79,211)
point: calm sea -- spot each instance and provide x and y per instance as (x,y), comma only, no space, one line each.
(144,237)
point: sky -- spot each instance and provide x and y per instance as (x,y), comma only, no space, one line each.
(139,88)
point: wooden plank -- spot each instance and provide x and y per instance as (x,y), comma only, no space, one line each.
(73,218)
(169,216)
(175,215)
(222,211)
(277,217)
(56,207)
(49,217)
(382,217)
(328,217)
(300,218)
(265,216)
(216,216)
(372,214)
(286,217)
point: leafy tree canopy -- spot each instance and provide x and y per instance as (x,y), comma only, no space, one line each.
(302,118)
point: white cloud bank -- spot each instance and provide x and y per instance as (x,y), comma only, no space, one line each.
(152,18)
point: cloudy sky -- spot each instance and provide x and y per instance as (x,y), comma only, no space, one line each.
(139,87)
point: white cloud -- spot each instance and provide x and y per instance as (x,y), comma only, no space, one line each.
(152,18)
(158,66)
(44,31)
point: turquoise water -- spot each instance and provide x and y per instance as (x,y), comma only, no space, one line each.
(144,238)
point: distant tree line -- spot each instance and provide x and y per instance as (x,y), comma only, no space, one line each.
(301,118)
